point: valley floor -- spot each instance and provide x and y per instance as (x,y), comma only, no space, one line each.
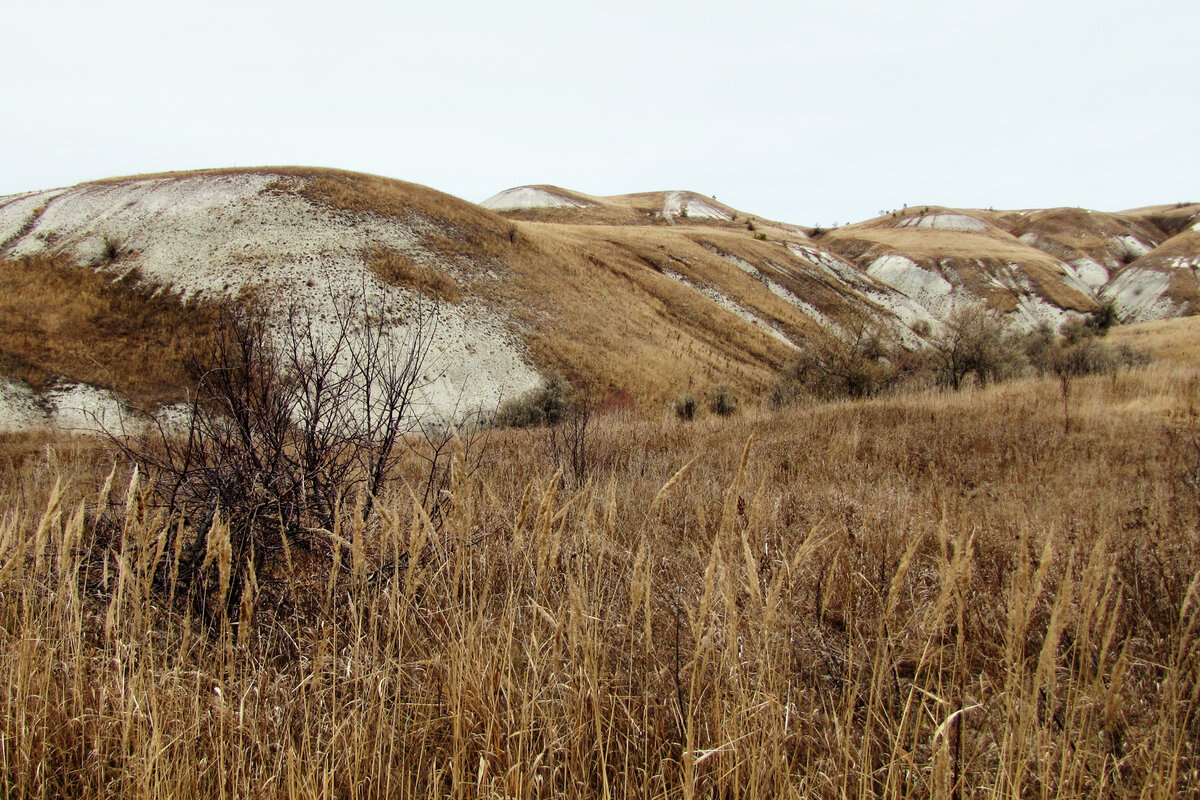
(982,594)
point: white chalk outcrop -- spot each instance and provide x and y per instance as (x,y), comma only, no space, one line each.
(211,235)
(530,197)
(946,222)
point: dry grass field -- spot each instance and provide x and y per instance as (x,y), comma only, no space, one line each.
(931,595)
(1174,341)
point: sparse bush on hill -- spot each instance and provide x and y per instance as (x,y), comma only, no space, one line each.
(111,249)
(975,346)
(1104,317)
(721,400)
(975,342)
(1078,351)
(860,363)
(685,406)
(1036,347)
(544,405)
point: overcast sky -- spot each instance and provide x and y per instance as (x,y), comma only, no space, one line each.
(800,111)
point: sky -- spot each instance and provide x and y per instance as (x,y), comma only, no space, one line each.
(804,112)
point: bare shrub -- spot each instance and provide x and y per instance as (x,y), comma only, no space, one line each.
(861,363)
(287,426)
(1078,352)
(975,342)
(566,418)
(569,440)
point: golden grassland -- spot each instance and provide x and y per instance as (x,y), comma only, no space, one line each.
(933,595)
(1174,341)
(78,324)
(594,303)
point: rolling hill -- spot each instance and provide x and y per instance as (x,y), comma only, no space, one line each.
(647,295)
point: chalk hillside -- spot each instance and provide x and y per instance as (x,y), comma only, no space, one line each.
(106,285)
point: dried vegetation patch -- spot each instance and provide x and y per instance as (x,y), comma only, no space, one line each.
(77,324)
(1173,340)
(398,269)
(926,596)
(595,303)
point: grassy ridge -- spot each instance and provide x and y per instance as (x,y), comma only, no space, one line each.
(927,596)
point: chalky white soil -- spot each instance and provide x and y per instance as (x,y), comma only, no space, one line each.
(946,222)
(20,408)
(692,206)
(214,235)
(523,197)
(1141,295)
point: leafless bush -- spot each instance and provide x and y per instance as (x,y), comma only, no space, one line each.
(288,425)
(975,342)
(861,363)
(436,440)
(569,440)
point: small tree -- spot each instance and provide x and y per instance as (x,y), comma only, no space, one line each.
(974,342)
(1037,346)
(569,439)
(859,363)
(1075,354)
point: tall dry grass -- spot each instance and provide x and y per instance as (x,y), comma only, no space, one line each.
(928,596)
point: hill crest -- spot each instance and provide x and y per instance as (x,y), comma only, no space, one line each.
(650,293)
